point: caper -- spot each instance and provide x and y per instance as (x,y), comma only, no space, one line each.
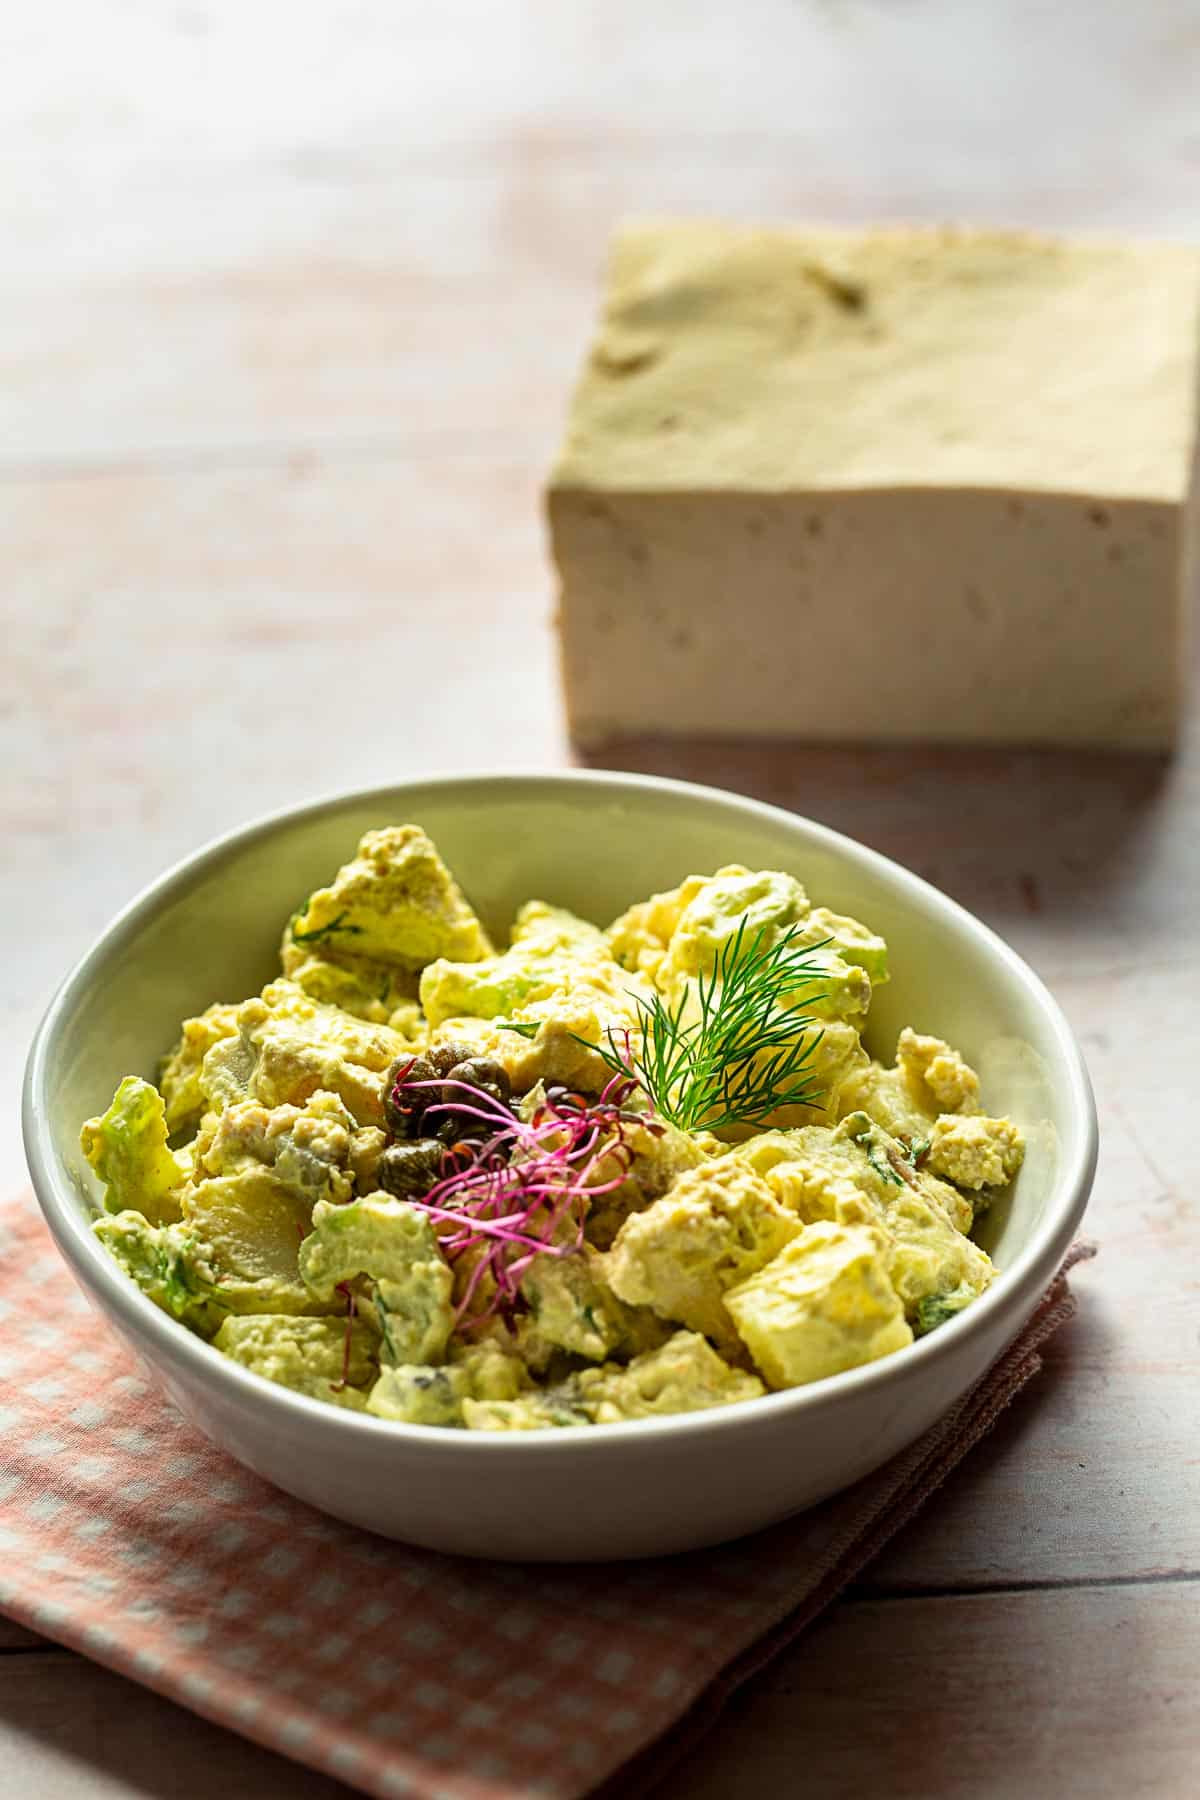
(410,1169)
(454,1128)
(403,1103)
(483,1072)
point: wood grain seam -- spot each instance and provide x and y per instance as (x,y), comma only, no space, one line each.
(864,1591)
(858,1595)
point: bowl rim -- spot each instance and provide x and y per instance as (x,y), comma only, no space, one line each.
(1015,1292)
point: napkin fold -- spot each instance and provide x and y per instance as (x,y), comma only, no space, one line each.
(411,1676)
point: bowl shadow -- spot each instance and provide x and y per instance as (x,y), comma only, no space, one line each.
(1009,832)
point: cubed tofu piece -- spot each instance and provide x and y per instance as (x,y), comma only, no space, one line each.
(392,1244)
(683,1375)
(936,1076)
(328,1359)
(395,903)
(824,1304)
(180,1076)
(797,436)
(421,1394)
(715,1226)
(930,1101)
(127,1148)
(975,1151)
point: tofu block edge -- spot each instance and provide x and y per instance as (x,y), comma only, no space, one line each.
(999,586)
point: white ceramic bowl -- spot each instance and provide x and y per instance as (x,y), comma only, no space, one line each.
(593,842)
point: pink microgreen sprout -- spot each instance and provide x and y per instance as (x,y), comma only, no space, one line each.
(522,1189)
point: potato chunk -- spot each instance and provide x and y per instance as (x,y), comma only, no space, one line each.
(824,1304)
(573,1308)
(247,1229)
(396,902)
(717,1225)
(309,1147)
(395,1247)
(289,1047)
(422,1394)
(328,1359)
(683,1375)
(127,1147)
(163,1261)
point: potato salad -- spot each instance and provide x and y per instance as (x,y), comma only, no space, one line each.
(592,1176)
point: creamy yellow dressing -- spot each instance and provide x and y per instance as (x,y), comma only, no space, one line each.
(274,1196)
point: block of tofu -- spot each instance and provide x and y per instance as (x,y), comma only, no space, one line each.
(896,484)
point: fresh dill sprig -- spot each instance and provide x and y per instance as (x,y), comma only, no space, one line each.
(319,935)
(729,1051)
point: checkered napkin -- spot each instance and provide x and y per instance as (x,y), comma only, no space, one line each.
(128,1537)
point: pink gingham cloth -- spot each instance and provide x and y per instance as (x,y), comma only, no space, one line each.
(408,1675)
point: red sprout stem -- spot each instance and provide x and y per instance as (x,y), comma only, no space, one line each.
(344,1287)
(509,1197)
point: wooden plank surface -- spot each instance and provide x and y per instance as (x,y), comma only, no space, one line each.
(978,1695)
(292,300)
(956,1696)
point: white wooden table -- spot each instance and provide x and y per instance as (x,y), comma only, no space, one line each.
(291,301)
